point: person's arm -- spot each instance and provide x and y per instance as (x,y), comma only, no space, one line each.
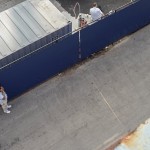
(2,88)
(90,11)
(102,14)
(3,93)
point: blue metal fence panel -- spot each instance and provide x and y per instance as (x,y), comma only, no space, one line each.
(36,68)
(110,29)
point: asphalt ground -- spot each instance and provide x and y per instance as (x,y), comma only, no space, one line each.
(87,107)
(5,4)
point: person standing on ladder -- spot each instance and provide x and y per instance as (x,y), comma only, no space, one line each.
(95,12)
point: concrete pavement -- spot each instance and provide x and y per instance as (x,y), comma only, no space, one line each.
(89,106)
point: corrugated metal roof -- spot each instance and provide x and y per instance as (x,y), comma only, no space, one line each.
(27,22)
(138,140)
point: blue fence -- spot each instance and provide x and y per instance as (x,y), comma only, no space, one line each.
(108,30)
(52,59)
(40,66)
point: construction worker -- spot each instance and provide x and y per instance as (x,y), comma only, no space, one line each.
(95,12)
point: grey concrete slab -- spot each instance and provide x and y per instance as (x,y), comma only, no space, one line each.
(88,106)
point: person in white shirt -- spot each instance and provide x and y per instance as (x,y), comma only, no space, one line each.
(95,12)
(3,100)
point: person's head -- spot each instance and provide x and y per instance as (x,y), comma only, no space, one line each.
(1,88)
(94,4)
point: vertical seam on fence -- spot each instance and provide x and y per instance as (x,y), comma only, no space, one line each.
(79,45)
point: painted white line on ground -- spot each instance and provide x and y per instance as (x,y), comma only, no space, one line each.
(110,140)
(106,102)
(110,107)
